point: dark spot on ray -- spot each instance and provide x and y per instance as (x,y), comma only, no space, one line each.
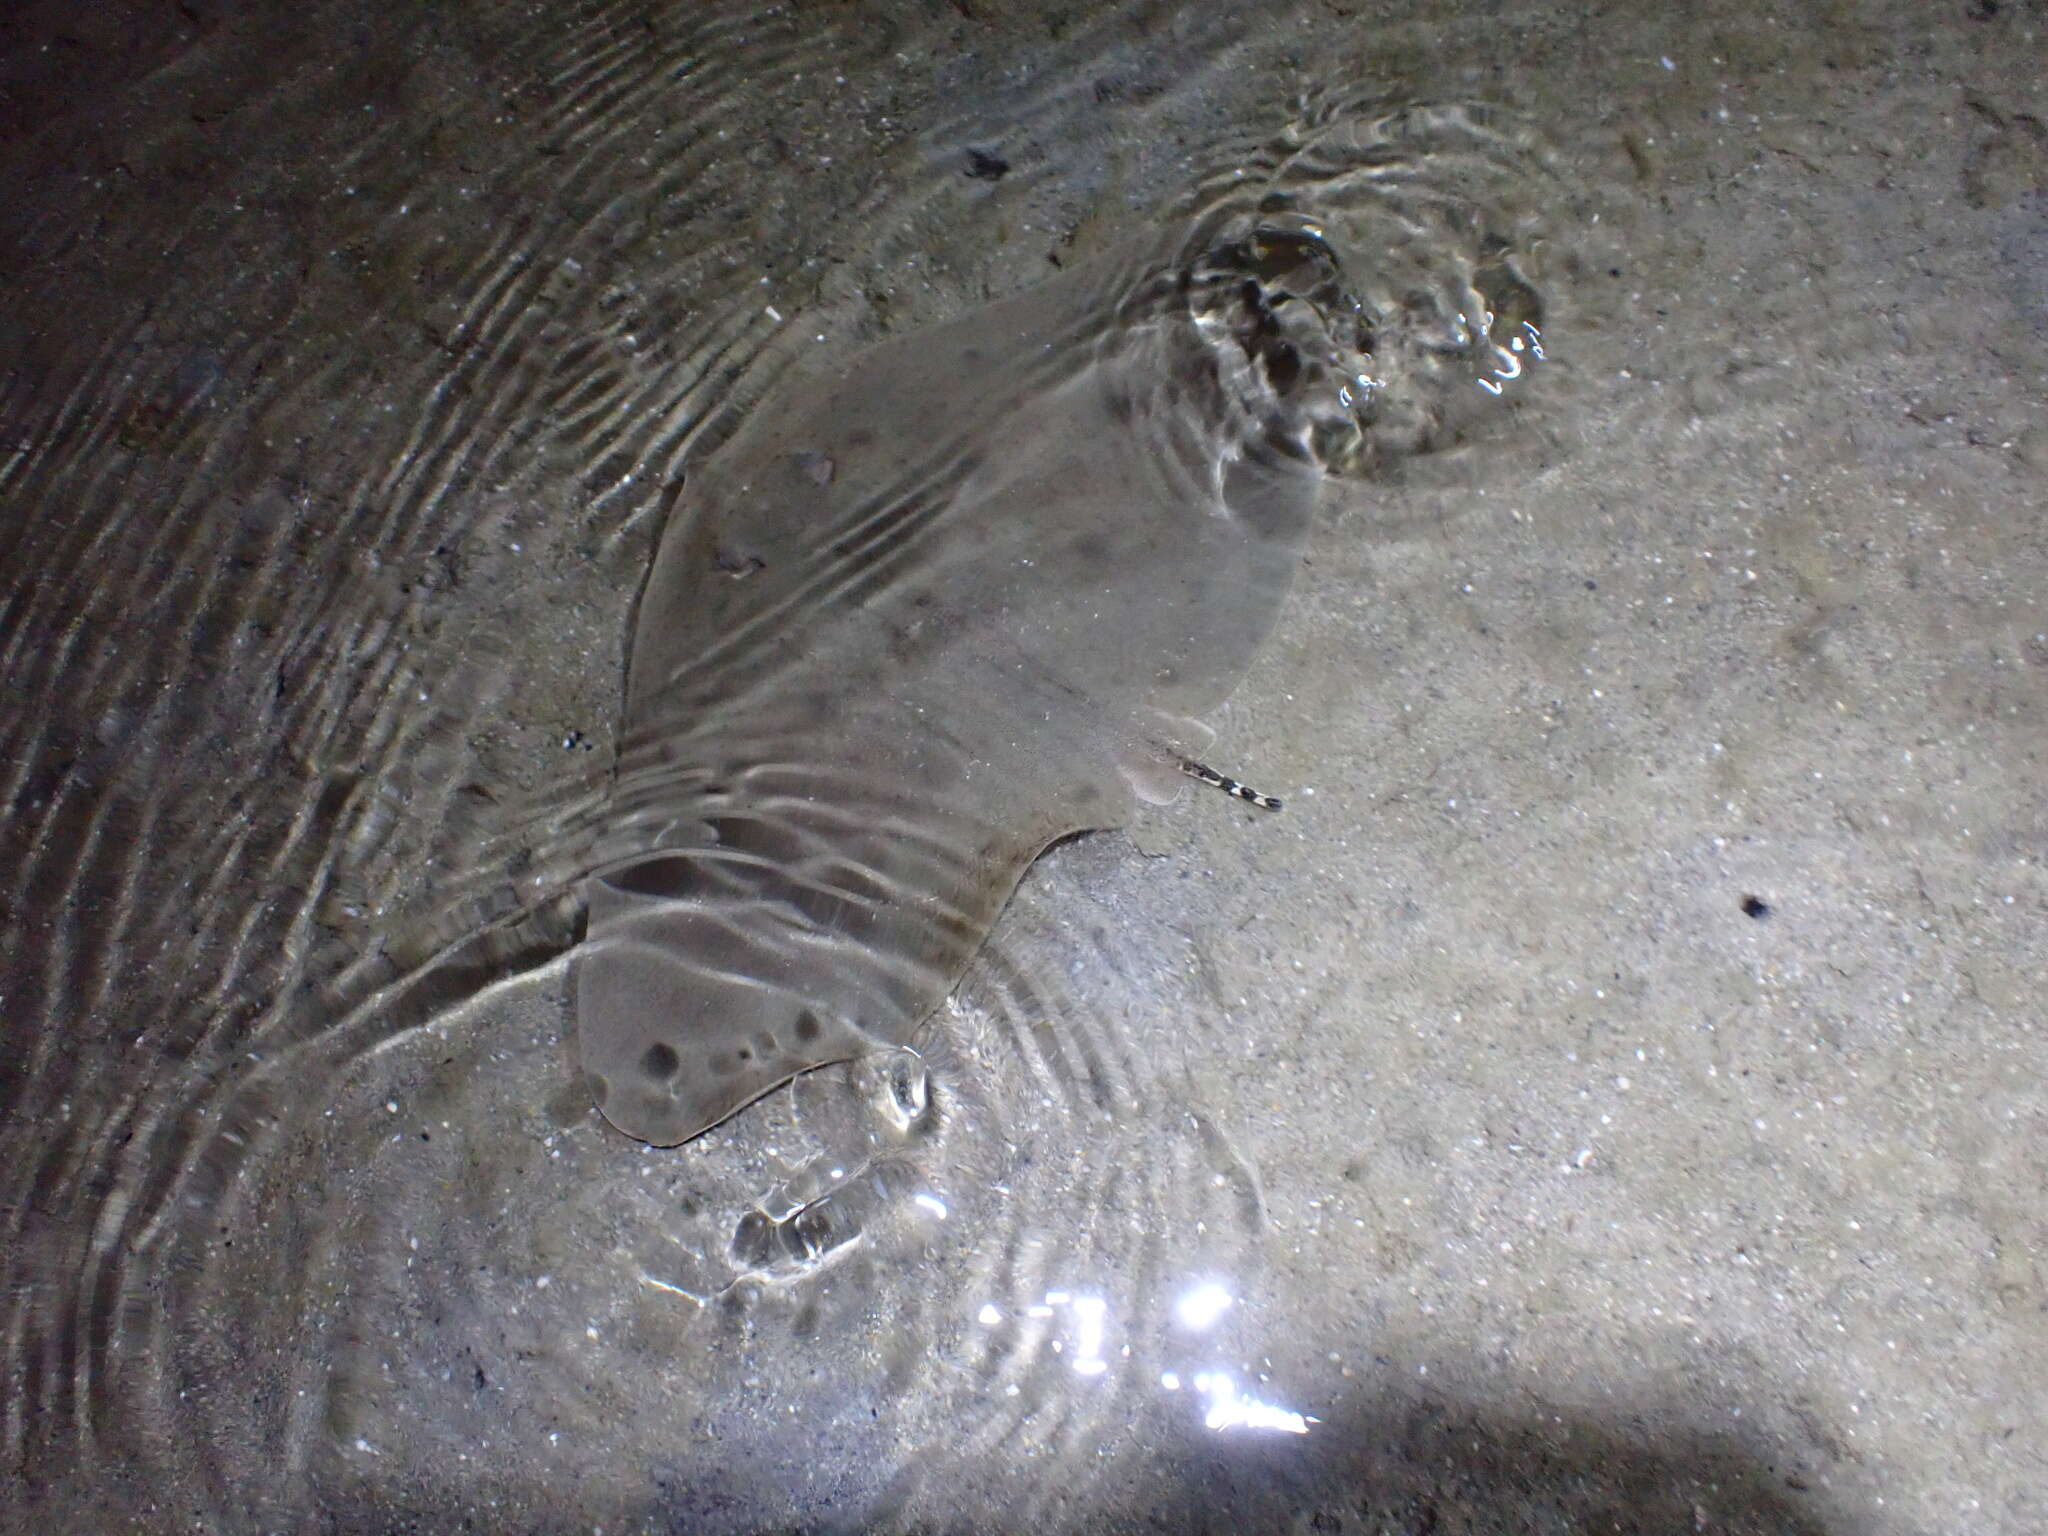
(1756,907)
(660,1061)
(807,1027)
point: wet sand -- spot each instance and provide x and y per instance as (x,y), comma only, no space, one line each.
(1610,1092)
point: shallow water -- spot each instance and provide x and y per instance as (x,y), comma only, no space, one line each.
(353,370)
(969,593)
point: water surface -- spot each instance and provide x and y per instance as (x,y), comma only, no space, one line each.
(353,370)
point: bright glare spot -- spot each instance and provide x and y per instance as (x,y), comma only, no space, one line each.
(1090,1314)
(673,1290)
(1228,1409)
(1200,1307)
(933,1204)
(988,1316)
(1169,1380)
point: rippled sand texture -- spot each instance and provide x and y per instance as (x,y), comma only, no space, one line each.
(964,595)
(1607,1097)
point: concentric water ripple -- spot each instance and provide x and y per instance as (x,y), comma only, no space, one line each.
(491,1292)
(329,476)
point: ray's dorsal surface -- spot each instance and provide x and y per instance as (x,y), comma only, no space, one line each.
(968,594)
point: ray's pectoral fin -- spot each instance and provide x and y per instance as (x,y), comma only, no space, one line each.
(1150,761)
(1155,778)
(681,1020)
